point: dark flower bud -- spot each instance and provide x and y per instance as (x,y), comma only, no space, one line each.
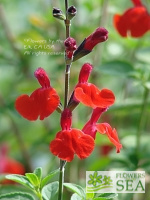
(71,12)
(99,35)
(58,14)
(70,46)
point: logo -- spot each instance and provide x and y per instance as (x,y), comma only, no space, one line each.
(115,182)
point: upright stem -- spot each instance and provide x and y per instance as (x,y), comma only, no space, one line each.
(61,179)
(67,76)
(142,119)
(67,72)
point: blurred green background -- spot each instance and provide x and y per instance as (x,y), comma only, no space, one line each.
(28,28)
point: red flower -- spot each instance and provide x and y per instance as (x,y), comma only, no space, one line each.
(98,36)
(70,45)
(71,141)
(41,103)
(89,94)
(135,21)
(92,127)
(9,165)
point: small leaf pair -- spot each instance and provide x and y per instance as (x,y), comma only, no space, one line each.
(36,184)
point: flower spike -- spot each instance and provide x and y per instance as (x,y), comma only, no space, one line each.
(41,103)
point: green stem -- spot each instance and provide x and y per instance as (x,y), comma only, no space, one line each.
(61,179)
(39,195)
(67,76)
(67,72)
(142,119)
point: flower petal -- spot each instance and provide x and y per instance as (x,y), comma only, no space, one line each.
(67,143)
(91,96)
(83,144)
(83,94)
(61,146)
(26,107)
(104,98)
(41,103)
(105,128)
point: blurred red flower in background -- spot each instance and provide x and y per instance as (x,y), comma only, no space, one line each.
(135,21)
(105,149)
(9,165)
(42,102)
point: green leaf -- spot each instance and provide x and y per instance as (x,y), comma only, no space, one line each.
(116,67)
(108,195)
(50,190)
(38,173)
(75,188)
(33,179)
(143,55)
(75,196)
(48,177)
(100,198)
(20,179)
(90,195)
(16,196)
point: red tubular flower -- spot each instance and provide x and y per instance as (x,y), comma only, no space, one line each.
(98,36)
(41,103)
(8,165)
(92,127)
(135,21)
(105,128)
(89,94)
(70,45)
(71,141)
